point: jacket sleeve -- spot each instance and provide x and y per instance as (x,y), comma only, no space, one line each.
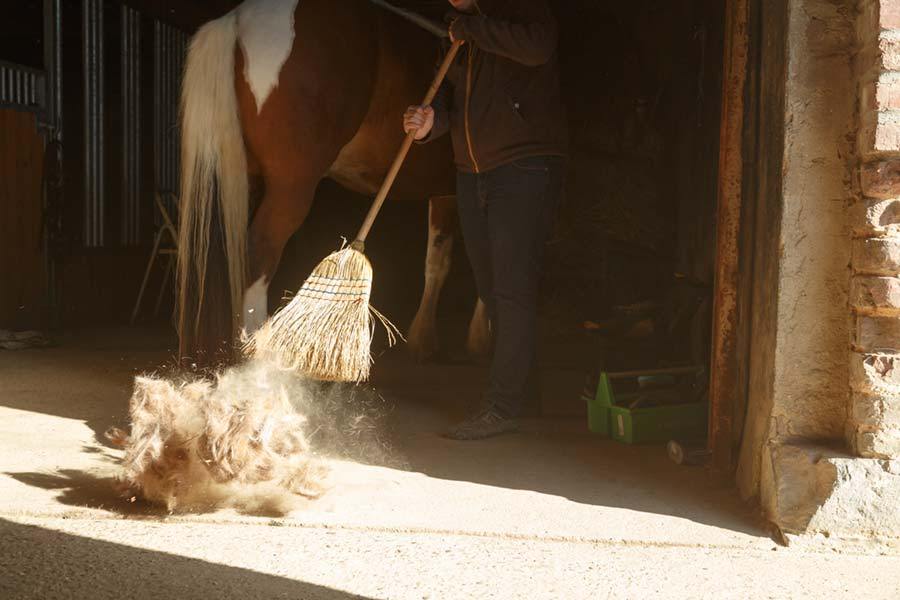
(531,42)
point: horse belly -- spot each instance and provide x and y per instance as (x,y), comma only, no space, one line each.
(354,168)
(363,163)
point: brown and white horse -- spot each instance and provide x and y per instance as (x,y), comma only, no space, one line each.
(278,94)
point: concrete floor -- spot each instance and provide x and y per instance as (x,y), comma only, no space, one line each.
(551,512)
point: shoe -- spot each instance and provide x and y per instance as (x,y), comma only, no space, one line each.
(487,423)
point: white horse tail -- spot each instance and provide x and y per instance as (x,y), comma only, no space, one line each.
(214,196)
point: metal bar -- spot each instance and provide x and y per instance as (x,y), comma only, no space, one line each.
(52,121)
(51,88)
(157,106)
(124,64)
(167,87)
(724,368)
(100,182)
(130,64)
(57,70)
(21,87)
(86,67)
(93,60)
(170,47)
(139,130)
(174,87)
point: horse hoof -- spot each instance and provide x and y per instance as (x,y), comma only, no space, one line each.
(478,344)
(422,343)
(478,354)
(422,352)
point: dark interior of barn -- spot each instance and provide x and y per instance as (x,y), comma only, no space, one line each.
(634,242)
(628,279)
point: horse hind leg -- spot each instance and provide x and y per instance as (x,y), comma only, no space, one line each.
(284,207)
(290,146)
(254,308)
(256,304)
(442,226)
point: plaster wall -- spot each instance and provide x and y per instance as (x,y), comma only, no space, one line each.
(809,325)
(811,367)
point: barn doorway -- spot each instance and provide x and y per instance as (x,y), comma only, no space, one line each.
(630,273)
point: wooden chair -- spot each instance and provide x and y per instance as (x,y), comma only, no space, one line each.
(168,250)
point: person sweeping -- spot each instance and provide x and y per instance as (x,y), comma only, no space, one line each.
(502,105)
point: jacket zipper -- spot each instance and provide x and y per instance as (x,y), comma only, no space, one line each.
(468,98)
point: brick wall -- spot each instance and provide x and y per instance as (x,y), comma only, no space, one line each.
(874,417)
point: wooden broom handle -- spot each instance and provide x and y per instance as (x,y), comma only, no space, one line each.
(359,242)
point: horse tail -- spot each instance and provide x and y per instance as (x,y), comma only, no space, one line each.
(212,245)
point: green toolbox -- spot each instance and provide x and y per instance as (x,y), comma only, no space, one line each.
(640,407)
(598,412)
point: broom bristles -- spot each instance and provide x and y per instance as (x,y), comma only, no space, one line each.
(325,331)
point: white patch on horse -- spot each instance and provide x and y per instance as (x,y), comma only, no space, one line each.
(266,32)
(256,305)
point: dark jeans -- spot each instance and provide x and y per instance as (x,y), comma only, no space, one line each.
(506,216)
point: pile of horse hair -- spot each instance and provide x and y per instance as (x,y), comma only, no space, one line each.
(255,438)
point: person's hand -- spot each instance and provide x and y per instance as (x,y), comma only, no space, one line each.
(450,25)
(419,119)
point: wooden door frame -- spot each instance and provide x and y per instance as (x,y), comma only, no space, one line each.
(749,192)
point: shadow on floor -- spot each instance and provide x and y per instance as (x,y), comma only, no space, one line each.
(85,490)
(42,563)
(81,489)
(555,456)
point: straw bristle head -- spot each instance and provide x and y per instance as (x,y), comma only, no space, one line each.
(325,332)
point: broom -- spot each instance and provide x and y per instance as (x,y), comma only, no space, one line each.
(325,331)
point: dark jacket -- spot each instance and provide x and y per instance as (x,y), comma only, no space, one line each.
(501,99)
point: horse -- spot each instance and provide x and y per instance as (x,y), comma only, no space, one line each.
(276,95)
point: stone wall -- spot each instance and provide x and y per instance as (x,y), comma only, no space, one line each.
(873,427)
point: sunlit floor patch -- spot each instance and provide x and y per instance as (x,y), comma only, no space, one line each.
(552,481)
